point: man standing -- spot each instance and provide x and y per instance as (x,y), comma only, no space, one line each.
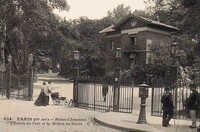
(104,91)
(192,105)
(167,106)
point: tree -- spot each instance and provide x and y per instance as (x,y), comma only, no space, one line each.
(142,13)
(185,15)
(83,34)
(28,25)
(174,13)
(118,13)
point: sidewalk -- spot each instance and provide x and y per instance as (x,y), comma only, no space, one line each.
(128,122)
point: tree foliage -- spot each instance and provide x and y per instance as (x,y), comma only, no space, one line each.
(183,14)
(118,13)
(28,25)
(175,13)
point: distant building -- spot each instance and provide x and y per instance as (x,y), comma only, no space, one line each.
(135,36)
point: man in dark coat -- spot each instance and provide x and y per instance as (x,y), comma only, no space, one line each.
(167,106)
(104,91)
(192,105)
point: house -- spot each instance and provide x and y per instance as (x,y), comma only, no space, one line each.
(135,36)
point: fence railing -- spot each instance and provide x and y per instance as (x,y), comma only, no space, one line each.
(97,94)
(19,87)
(179,93)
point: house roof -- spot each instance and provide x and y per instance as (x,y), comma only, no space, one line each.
(108,29)
(146,20)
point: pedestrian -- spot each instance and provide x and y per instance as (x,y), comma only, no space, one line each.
(167,107)
(192,105)
(49,85)
(41,100)
(47,91)
(104,91)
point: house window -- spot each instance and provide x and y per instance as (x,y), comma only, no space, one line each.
(112,45)
(133,40)
(132,60)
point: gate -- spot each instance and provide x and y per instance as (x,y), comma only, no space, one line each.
(13,86)
(94,94)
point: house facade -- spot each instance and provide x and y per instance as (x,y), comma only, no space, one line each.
(136,36)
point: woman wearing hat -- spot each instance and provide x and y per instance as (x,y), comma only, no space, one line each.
(41,100)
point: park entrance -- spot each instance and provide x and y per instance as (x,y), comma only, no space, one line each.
(94,94)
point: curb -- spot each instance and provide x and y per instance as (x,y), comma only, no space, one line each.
(117,127)
(123,122)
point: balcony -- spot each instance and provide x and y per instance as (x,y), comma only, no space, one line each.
(130,48)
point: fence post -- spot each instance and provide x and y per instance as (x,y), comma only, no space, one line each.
(9,77)
(76,76)
(152,100)
(2,83)
(30,88)
(117,81)
(75,90)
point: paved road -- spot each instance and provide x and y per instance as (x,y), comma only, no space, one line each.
(23,116)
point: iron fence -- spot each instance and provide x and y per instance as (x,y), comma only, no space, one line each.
(180,93)
(16,86)
(95,94)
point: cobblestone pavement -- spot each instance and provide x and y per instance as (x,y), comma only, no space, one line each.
(23,116)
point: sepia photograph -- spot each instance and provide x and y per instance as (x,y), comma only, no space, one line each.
(100,66)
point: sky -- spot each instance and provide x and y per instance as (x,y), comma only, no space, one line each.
(97,9)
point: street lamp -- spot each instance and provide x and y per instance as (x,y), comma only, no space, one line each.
(30,58)
(9,58)
(175,51)
(30,89)
(9,78)
(76,55)
(76,75)
(174,48)
(143,94)
(118,54)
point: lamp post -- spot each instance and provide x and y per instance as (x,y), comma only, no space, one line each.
(143,94)
(9,77)
(118,54)
(30,89)
(174,51)
(2,63)
(76,75)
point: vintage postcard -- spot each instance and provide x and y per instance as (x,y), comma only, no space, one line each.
(99,66)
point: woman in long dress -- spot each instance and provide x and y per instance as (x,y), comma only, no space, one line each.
(41,100)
